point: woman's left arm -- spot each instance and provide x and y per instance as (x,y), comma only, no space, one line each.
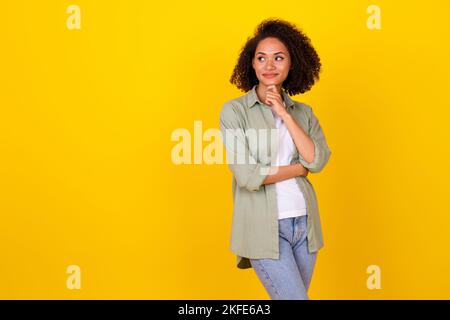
(303,142)
(313,148)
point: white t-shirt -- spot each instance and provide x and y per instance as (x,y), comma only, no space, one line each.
(291,202)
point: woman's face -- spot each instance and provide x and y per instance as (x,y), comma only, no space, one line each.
(271,61)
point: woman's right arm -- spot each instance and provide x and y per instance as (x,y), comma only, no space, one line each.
(281,173)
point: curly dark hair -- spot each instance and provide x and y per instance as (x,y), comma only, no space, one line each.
(305,62)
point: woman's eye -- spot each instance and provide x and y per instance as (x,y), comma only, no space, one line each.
(281,58)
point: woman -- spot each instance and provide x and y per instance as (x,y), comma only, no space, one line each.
(276,226)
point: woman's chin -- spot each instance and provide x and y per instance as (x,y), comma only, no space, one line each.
(268,82)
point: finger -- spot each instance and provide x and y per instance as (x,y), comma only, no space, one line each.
(273,92)
(275,97)
(271,88)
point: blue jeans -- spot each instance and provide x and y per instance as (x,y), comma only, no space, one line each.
(288,277)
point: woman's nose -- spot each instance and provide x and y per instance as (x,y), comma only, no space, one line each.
(270,63)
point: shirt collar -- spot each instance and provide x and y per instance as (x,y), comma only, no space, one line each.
(252,98)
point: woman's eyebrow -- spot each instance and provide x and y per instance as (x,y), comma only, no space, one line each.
(274,53)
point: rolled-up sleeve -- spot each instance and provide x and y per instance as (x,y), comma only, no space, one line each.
(247,171)
(321,151)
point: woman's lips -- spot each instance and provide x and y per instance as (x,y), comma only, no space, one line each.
(270,75)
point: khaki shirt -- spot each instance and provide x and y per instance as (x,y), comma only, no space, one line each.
(254,229)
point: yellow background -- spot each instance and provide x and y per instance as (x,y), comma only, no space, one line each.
(86,174)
